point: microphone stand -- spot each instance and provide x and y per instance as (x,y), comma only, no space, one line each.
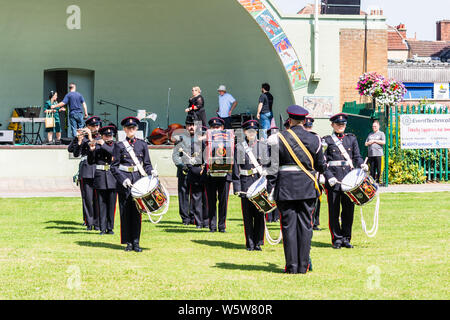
(117,109)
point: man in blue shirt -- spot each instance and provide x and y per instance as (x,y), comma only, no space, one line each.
(227,103)
(77,109)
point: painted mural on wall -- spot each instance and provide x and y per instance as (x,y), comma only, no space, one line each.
(281,43)
(318,107)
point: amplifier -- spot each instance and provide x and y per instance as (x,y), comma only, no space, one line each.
(7,136)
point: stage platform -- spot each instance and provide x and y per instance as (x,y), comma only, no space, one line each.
(43,170)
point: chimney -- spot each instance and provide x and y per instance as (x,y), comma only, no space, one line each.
(443,30)
(402,30)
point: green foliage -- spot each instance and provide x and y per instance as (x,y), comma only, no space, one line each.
(404,166)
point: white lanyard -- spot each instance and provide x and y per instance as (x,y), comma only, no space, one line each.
(130,150)
(252,157)
(342,149)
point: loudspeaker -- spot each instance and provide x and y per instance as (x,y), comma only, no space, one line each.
(7,136)
(341,7)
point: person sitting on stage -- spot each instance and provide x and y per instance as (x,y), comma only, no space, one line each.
(244,175)
(196,107)
(100,154)
(342,155)
(49,107)
(291,178)
(126,172)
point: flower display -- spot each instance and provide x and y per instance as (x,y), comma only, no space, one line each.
(385,91)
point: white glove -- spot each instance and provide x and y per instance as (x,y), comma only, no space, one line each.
(332,181)
(321,179)
(271,195)
(365,167)
(127,183)
(154,173)
(264,173)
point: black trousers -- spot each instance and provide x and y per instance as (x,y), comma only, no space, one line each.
(227,121)
(253,224)
(183,198)
(273,216)
(217,189)
(340,231)
(89,199)
(375,167)
(130,219)
(196,205)
(205,208)
(316,221)
(107,208)
(296,227)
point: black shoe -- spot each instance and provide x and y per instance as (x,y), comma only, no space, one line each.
(212,230)
(89,228)
(223,231)
(186,223)
(337,245)
(129,247)
(347,245)
(110,232)
(316,228)
(84,224)
(136,247)
(258,248)
(198,227)
(96,228)
(102,232)
(250,249)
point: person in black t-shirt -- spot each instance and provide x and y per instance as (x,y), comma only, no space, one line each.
(265,114)
(196,107)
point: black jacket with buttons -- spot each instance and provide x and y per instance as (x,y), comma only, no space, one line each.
(332,153)
(102,155)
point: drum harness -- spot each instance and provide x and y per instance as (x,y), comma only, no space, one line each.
(130,150)
(372,232)
(259,169)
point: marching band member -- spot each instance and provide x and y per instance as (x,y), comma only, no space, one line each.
(87,171)
(295,189)
(126,172)
(342,155)
(217,188)
(244,175)
(308,127)
(273,216)
(100,154)
(182,142)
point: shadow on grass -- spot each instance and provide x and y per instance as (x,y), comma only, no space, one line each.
(72,223)
(320,244)
(223,244)
(103,245)
(183,230)
(63,228)
(271,267)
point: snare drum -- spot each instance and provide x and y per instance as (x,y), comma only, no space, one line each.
(219,152)
(359,187)
(149,195)
(257,194)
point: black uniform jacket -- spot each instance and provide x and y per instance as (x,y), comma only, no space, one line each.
(87,171)
(295,185)
(122,157)
(332,153)
(102,155)
(242,162)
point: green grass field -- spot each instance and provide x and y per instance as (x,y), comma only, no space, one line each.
(45,253)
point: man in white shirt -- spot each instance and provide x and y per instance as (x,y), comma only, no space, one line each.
(375,143)
(227,103)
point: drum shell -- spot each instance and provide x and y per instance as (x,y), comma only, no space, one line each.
(262,203)
(151,201)
(364,192)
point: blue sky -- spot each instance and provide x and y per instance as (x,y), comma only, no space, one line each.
(419,16)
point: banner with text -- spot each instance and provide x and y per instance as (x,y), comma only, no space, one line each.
(425,131)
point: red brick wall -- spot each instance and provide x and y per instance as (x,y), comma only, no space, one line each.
(352,59)
(443,30)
